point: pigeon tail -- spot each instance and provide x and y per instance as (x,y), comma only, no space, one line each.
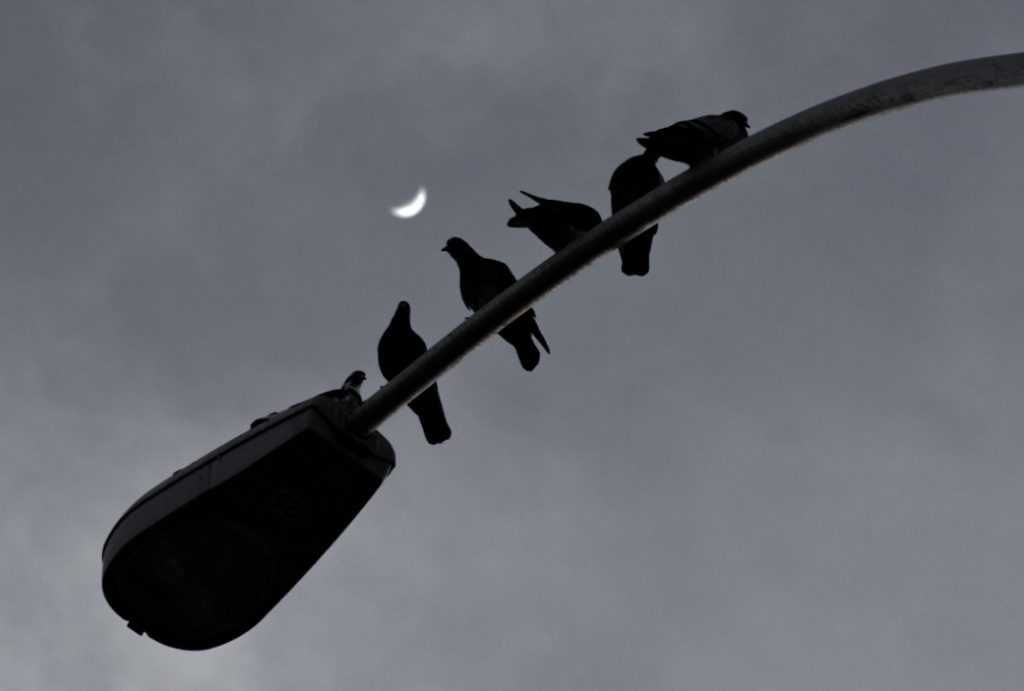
(535,332)
(520,332)
(638,268)
(427,407)
(528,354)
(636,254)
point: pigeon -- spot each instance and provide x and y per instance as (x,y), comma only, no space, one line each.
(350,387)
(693,141)
(480,280)
(398,347)
(555,223)
(347,394)
(349,391)
(634,178)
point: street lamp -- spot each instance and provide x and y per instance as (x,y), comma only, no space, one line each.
(202,557)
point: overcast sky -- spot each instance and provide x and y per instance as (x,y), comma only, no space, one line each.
(790,458)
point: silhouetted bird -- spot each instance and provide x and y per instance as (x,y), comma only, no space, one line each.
(480,280)
(692,141)
(398,347)
(350,387)
(349,390)
(555,223)
(634,178)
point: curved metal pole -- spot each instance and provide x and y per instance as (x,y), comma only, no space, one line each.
(953,78)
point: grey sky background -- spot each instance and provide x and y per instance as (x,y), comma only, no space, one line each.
(789,458)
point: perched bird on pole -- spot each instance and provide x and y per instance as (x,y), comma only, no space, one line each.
(349,391)
(350,387)
(348,394)
(555,223)
(480,280)
(692,141)
(634,178)
(399,346)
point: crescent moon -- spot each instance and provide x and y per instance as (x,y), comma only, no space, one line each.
(413,206)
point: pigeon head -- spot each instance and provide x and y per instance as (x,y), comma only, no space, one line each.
(355,379)
(649,155)
(737,117)
(515,221)
(457,247)
(402,311)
